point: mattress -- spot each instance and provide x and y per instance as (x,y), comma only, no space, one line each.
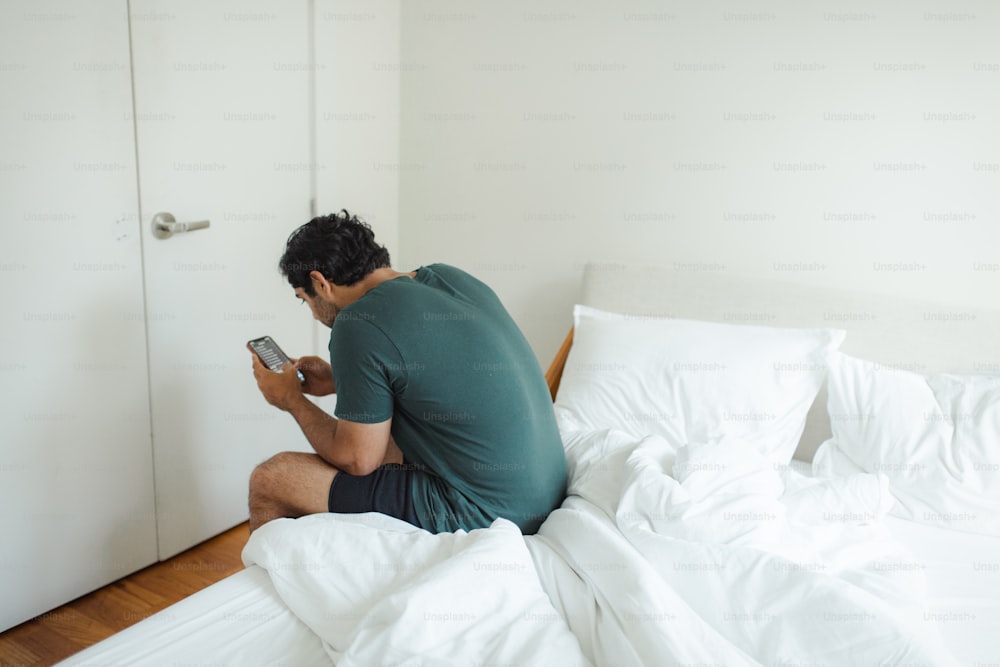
(240,620)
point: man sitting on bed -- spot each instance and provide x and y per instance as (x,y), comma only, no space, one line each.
(443,417)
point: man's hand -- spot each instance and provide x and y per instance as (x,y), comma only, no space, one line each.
(319,376)
(279,389)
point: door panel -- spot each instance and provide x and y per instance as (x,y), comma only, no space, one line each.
(76,481)
(222,110)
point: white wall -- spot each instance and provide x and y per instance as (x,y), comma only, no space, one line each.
(849,144)
(357,112)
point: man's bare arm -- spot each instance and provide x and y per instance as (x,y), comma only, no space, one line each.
(357,449)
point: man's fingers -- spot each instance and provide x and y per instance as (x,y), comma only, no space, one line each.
(257,363)
(258,366)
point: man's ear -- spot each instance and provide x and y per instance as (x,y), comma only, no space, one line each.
(320,284)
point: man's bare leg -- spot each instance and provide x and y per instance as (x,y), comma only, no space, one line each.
(293,484)
(392,453)
(289,484)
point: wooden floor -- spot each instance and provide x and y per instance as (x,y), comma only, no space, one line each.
(73,627)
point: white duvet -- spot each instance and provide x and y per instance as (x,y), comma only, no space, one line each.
(709,555)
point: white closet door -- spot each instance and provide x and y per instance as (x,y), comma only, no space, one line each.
(76,481)
(222,109)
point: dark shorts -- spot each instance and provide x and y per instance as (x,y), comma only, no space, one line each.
(387,490)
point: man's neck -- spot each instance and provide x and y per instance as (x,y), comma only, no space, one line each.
(379,276)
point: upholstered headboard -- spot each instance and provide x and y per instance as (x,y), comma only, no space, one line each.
(921,336)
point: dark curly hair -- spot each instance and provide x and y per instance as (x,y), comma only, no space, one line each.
(340,246)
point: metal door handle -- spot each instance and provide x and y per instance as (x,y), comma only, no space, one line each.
(165,226)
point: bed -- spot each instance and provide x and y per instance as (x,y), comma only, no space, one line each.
(761,473)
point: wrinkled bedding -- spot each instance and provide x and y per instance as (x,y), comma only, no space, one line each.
(706,554)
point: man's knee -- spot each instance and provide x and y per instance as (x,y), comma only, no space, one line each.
(267,476)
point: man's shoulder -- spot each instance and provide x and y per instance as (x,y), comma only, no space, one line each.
(445,270)
(450,276)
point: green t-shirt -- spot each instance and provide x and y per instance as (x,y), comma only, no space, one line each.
(441,356)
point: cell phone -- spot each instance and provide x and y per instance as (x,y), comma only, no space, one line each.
(272,355)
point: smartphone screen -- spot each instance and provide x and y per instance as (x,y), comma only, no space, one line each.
(272,355)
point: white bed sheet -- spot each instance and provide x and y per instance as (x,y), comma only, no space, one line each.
(240,620)
(962,571)
(963,587)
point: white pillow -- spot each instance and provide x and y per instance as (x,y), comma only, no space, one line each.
(693,382)
(936,437)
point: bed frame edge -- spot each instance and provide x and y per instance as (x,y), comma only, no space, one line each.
(554,374)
